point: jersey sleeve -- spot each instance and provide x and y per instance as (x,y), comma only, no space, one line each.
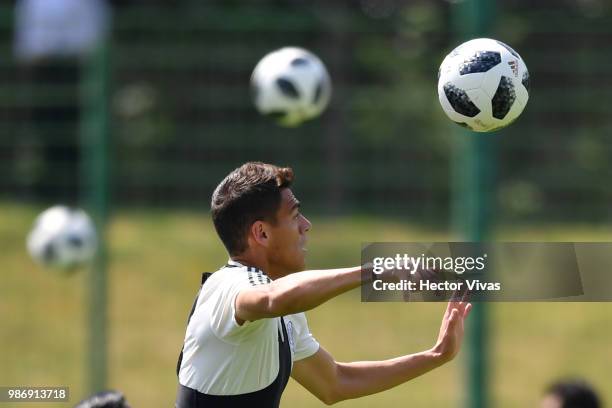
(222,306)
(305,345)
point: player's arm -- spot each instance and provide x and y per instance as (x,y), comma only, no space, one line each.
(332,381)
(294,293)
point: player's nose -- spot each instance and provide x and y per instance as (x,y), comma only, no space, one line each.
(305,224)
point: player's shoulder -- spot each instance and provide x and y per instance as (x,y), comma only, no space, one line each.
(233,273)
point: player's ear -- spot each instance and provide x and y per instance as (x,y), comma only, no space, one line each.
(260,233)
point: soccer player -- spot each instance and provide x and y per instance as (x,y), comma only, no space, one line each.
(570,394)
(104,399)
(247,332)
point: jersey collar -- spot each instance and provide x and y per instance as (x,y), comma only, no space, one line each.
(235,264)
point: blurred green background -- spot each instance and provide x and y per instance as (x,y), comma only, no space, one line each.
(375,166)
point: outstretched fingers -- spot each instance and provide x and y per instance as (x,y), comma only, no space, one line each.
(468,309)
(450,306)
(454,305)
(453,319)
(457,310)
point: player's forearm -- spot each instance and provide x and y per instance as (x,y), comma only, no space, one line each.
(303,291)
(362,378)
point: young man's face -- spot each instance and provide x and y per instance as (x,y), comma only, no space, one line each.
(287,250)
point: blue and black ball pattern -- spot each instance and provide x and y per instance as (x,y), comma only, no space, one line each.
(75,241)
(460,101)
(287,88)
(318,93)
(299,62)
(526,82)
(481,61)
(49,253)
(510,49)
(504,98)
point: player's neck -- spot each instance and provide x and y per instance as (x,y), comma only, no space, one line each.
(252,260)
(260,262)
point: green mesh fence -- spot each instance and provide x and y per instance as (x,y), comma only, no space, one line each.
(182,114)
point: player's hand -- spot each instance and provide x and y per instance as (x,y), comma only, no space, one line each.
(413,274)
(451,330)
(418,275)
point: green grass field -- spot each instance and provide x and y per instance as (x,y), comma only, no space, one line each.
(157,257)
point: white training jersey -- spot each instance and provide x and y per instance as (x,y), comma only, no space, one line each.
(221,357)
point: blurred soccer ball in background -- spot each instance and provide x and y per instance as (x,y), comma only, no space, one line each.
(291,85)
(483,85)
(62,237)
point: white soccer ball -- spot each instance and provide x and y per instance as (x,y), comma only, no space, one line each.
(291,85)
(483,85)
(62,237)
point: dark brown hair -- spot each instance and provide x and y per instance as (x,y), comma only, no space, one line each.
(250,193)
(104,399)
(575,394)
